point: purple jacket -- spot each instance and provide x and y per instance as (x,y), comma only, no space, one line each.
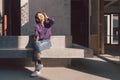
(44,32)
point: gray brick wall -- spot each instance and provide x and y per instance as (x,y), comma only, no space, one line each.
(57,9)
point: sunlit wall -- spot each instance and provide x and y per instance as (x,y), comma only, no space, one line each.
(57,9)
(24,12)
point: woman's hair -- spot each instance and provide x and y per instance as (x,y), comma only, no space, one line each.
(36,17)
(46,22)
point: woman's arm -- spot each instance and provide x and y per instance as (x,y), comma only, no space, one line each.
(48,21)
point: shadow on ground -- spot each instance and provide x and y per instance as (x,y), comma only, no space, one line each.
(13,71)
(97,67)
(90,67)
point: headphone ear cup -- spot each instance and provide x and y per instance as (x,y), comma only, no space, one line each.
(37,20)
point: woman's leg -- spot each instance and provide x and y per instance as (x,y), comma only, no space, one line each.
(38,56)
(38,65)
(39,46)
(38,59)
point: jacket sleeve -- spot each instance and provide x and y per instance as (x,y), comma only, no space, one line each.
(49,22)
(36,30)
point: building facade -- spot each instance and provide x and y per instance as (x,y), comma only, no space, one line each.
(85,20)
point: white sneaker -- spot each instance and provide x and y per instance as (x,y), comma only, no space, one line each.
(39,67)
(36,72)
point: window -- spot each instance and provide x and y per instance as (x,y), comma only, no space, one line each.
(111,29)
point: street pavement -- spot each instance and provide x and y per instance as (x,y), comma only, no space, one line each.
(85,69)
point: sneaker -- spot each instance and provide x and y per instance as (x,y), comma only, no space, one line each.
(35,73)
(39,67)
(37,70)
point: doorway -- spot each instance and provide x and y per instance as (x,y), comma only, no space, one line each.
(80,22)
(10,18)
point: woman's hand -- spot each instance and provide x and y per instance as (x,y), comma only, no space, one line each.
(46,17)
(36,38)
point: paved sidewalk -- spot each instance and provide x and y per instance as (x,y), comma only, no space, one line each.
(93,69)
(109,57)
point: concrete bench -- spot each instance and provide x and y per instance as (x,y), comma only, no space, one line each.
(60,54)
(21,47)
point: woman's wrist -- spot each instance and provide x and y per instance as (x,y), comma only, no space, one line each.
(36,38)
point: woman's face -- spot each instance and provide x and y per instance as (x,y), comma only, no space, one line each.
(41,17)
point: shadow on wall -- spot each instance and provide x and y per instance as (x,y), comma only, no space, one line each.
(30,41)
(9,42)
(16,42)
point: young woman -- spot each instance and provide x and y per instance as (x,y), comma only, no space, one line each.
(41,39)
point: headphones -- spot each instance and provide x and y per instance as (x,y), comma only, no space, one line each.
(46,22)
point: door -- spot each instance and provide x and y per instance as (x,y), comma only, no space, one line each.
(80,22)
(13,19)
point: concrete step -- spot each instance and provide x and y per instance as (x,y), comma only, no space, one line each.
(75,51)
(63,53)
(50,53)
(62,47)
(26,41)
(60,54)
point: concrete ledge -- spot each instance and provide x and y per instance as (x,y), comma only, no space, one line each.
(62,47)
(26,41)
(19,48)
(63,53)
(14,52)
(50,53)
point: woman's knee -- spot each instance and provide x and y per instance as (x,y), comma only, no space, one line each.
(38,56)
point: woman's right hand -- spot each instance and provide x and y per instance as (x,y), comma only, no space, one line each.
(46,17)
(36,38)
